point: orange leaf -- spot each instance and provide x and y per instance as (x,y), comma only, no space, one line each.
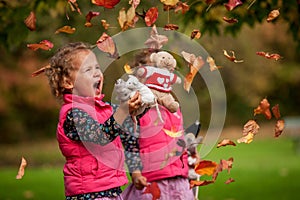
(250,127)
(106,44)
(212,64)
(279,126)
(225,142)
(268,55)
(89,17)
(226,164)
(30,21)
(195,34)
(106,3)
(263,108)
(151,16)
(45,45)
(21,171)
(182,6)
(128,69)
(105,24)
(205,167)
(154,190)
(273,15)
(275,111)
(156,41)
(170,27)
(194,183)
(230,180)
(232,58)
(65,29)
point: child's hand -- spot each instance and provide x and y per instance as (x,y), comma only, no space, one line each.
(138,180)
(134,103)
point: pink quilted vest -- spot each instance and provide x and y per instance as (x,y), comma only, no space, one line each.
(90,167)
(159,144)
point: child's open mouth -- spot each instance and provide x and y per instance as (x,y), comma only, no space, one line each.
(97,87)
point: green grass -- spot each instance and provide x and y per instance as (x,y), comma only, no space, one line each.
(264,170)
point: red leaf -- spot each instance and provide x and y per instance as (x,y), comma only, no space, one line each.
(30,21)
(106,3)
(170,27)
(89,17)
(151,16)
(230,20)
(182,6)
(106,44)
(232,4)
(275,111)
(45,45)
(154,190)
(225,142)
(268,55)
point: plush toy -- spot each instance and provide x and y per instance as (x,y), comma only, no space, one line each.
(160,78)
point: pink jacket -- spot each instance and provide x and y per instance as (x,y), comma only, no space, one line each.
(158,146)
(90,167)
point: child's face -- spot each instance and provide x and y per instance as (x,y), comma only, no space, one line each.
(87,76)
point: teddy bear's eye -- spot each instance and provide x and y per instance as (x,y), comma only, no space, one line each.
(163,57)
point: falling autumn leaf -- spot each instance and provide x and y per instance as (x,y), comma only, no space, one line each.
(155,41)
(170,27)
(230,180)
(263,108)
(279,126)
(250,127)
(169,2)
(127,19)
(65,29)
(106,3)
(212,64)
(153,189)
(74,6)
(275,111)
(134,3)
(184,7)
(232,4)
(226,164)
(230,20)
(273,15)
(225,142)
(89,17)
(274,56)
(232,58)
(22,167)
(106,44)
(205,167)
(128,69)
(246,139)
(39,71)
(173,132)
(45,45)
(195,34)
(151,16)
(30,21)
(105,24)
(195,64)
(194,183)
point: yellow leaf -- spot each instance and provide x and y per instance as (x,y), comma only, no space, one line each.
(169,2)
(206,167)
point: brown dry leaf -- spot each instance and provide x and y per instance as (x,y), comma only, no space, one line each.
(74,6)
(250,127)
(155,41)
(89,17)
(267,55)
(230,180)
(232,4)
(212,64)
(205,167)
(30,21)
(226,164)
(169,2)
(22,167)
(273,15)
(106,44)
(232,58)
(225,142)
(230,20)
(65,29)
(134,3)
(195,64)
(170,27)
(275,111)
(45,45)
(194,183)
(279,126)
(246,139)
(184,7)
(195,34)
(105,24)
(263,108)
(127,19)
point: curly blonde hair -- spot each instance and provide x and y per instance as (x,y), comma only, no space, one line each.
(62,65)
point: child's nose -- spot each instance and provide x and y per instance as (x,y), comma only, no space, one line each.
(97,73)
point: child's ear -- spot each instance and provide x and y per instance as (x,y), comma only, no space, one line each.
(67,83)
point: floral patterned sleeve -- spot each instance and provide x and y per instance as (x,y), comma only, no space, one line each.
(130,142)
(80,126)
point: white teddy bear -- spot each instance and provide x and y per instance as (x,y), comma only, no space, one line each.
(160,78)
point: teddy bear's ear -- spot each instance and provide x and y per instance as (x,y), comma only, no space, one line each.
(153,57)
